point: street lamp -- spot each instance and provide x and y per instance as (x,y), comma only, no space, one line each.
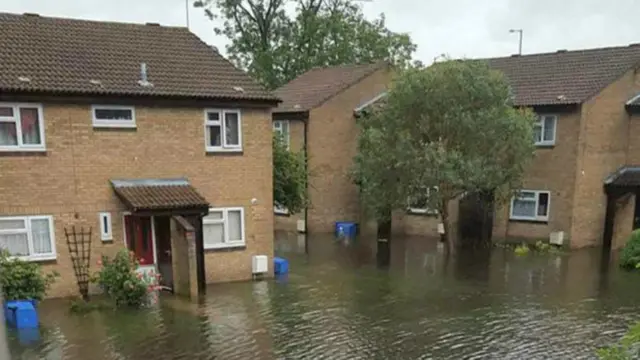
(519,31)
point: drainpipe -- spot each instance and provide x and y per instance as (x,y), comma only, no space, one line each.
(306,167)
(4,349)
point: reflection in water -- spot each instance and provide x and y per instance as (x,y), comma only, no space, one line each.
(362,299)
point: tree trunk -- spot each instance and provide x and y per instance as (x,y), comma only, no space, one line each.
(444,213)
(383,253)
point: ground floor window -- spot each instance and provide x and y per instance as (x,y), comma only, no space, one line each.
(280,210)
(419,204)
(223,227)
(28,237)
(530,205)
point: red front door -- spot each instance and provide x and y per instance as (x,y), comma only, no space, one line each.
(140,238)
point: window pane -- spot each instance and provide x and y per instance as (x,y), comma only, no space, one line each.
(213,116)
(549,128)
(526,195)
(524,208)
(30,126)
(214,135)
(214,215)
(212,234)
(537,133)
(6,111)
(113,114)
(12,224)
(8,135)
(41,236)
(543,204)
(235,225)
(232,129)
(16,244)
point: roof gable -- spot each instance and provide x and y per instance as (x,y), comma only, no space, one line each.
(91,57)
(317,85)
(565,77)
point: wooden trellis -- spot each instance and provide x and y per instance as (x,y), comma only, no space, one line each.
(79,243)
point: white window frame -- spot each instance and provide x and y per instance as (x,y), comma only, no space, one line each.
(535,217)
(540,123)
(422,211)
(16,120)
(105,234)
(280,210)
(27,220)
(225,223)
(224,147)
(104,123)
(278,126)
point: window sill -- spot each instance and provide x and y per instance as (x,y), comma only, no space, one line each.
(531,221)
(222,151)
(422,213)
(15,149)
(545,145)
(226,247)
(115,126)
(37,258)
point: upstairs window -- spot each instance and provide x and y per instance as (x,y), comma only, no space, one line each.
(530,205)
(21,127)
(281,127)
(223,130)
(112,116)
(544,130)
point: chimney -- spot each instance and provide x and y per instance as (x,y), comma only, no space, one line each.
(31,14)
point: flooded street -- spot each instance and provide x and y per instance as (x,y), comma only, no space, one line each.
(339,303)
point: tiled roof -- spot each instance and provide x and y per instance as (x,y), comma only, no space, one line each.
(565,77)
(319,84)
(104,58)
(156,194)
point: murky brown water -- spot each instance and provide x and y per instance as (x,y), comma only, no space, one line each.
(337,303)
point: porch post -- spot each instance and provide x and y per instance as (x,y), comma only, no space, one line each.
(609,218)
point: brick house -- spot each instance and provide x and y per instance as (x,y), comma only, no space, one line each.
(142,133)
(588,108)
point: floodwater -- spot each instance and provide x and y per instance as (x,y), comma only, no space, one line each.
(339,302)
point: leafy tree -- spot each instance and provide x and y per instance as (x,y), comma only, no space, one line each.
(446,129)
(289,177)
(275,45)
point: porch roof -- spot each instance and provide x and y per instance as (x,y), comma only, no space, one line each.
(158,194)
(626,176)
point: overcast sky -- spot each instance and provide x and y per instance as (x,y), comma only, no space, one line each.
(458,28)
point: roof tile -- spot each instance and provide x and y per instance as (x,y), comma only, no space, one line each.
(165,197)
(565,77)
(104,58)
(319,84)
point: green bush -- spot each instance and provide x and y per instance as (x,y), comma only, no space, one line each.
(119,280)
(630,256)
(23,280)
(626,348)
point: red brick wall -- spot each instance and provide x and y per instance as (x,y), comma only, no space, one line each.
(71,181)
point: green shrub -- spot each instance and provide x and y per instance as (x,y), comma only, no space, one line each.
(521,250)
(630,256)
(23,280)
(625,349)
(119,280)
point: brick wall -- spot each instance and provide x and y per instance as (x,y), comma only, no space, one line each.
(552,169)
(332,145)
(71,181)
(603,147)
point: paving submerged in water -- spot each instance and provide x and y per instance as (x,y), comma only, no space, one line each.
(337,303)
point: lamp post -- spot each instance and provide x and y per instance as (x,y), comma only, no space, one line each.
(520,32)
